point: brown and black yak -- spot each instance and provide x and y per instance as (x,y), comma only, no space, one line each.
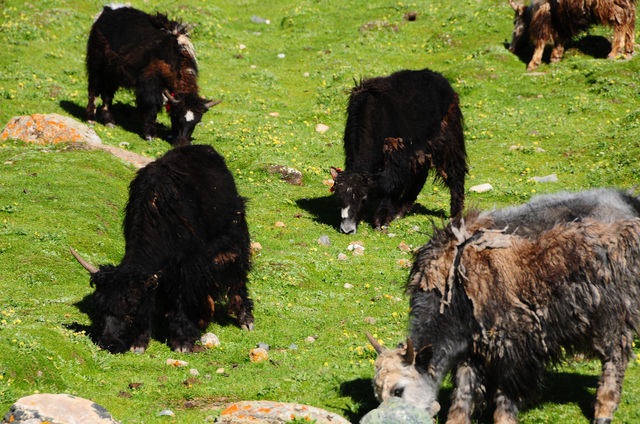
(151,55)
(495,307)
(186,246)
(398,128)
(558,21)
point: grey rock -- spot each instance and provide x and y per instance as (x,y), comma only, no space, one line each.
(263,346)
(289,174)
(553,178)
(166,413)
(324,240)
(57,409)
(396,411)
(293,346)
(268,412)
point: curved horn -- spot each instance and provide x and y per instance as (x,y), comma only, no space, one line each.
(515,6)
(212,103)
(375,344)
(169,97)
(410,355)
(86,265)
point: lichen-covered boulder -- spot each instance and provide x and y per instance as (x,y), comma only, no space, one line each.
(268,412)
(396,411)
(49,129)
(57,409)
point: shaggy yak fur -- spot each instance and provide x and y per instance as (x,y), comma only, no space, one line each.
(496,306)
(152,55)
(398,128)
(186,246)
(557,21)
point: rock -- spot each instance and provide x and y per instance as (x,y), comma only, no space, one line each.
(194,371)
(322,128)
(306,74)
(57,409)
(280,224)
(553,178)
(396,411)
(176,363)
(274,114)
(281,56)
(481,188)
(258,355)
(289,174)
(49,129)
(348,286)
(378,25)
(310,339)
(404,247)
(268,412)
(369,320)
(293,346)
(255,247)
(209,340)
(342,257)
(404,263)
(259,20)
(166,413)
(356,247)
(263,346)
(220,371)
(324,241)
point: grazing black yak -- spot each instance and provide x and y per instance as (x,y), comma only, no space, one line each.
(398,128)
(152,55)
(186,246)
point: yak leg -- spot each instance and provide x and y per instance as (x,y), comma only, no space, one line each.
(141,342)
(91,104)
(467,394)
(386,212)
(618,44)
(609,389)
(557,52)
(630,33)
(537,55)
(506,409)
(411,194)
(105,111)
(183,332)
(241,305)
(149,100)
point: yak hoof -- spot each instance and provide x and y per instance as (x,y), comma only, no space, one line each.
(602,421)
(91,122)
(109,125)
(248,327)
(137,349)
(149,137)
(184,349)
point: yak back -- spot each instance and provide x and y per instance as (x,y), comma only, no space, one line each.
(406,104)
(124,41)
(183,208)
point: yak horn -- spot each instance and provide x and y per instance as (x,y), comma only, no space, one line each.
(410,355)
(515,6)
(375,344)
(212,103)
(86,265)
(169,96)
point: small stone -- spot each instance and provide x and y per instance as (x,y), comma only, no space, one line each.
(404,247)
(553,178)
(166,413)
(324,240)
(176,363)
(348,286)
(414,229)
(322,128)
(481,188)
(281,56)
(209,340)
(398,411)
(258,355)
(9,162)
(404,263)
(310,339)
(242,46)
(289,174)
(220,371)
(358,250)
(293,346)
(256,246)
(194,371)
(370,320)
(263,346)
(306,74)
(57,408)
(342,257)
(280,224)
(274,114)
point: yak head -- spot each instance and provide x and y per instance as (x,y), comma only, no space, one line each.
(186,110)
(397,376)
(520,25)
(124,301)
(351,190)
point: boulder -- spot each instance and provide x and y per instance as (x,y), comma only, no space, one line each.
(267,412)
(289,174)
(396,411)
(49,129)
(57,409)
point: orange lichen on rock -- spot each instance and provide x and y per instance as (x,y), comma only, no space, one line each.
(48,129)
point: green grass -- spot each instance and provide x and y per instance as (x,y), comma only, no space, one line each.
(582,112)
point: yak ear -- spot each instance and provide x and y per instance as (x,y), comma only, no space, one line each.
(518,8)
(424,355)
(334,173)
(211,103)
(379,349)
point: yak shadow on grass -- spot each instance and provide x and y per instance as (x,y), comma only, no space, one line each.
(125,115)
(325,210)
(595,46)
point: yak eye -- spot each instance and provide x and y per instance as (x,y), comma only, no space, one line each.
(397,392)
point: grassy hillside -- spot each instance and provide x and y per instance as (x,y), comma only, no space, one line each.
(578,119)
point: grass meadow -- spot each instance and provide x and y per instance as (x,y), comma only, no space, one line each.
(578,119)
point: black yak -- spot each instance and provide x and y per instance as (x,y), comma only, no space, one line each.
(152,55)
(496,306)
(186,246)
(398,128)
(558,21)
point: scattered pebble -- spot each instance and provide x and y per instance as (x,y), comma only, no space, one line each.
(176,363)
(242,46)
(481,188)
(259,20)
(293,346)
(263,346)
(310,339)
(414,229)
(370,320)
(194,371)
(324,240)
(404,247)
(322,128)
(391,234)
(210,340)
(258,355)
(220,371)
(553,178)
(404,263)
(274,114)
(9,162)
(280,224)
(306,74)
(166,413)
(342,257)
(348,286)
(281,56)
(256,246)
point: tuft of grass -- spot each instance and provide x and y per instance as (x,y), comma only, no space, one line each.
(577,119)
